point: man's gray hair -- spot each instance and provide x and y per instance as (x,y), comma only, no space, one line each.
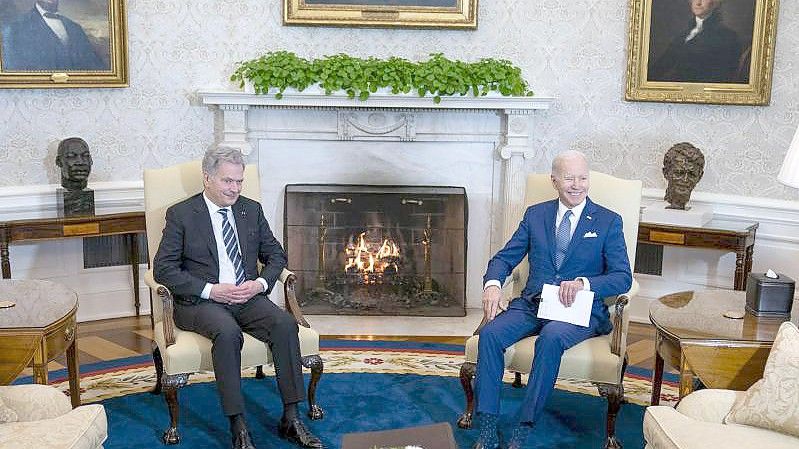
(219,154)
(568,154)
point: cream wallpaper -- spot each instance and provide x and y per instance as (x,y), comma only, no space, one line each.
(574,51)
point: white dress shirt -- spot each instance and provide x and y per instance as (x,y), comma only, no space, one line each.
(695,30)
(227,272)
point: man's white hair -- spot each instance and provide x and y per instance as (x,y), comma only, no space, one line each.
(568,154)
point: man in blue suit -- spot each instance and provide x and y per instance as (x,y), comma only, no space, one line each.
(42,39)
(571,242)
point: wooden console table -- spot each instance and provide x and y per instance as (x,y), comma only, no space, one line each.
(129,223)
(717,234)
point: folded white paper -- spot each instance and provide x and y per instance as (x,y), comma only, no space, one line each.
(551,308)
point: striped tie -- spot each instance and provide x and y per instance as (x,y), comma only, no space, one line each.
(562,238)
(232,246)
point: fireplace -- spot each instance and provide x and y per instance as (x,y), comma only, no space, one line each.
(377,250)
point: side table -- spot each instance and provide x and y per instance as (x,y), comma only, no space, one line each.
(717,234)
(39,328)
(692,334)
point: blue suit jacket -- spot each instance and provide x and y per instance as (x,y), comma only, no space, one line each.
(602,259)
(29,44)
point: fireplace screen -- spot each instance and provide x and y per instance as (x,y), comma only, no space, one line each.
(377,250)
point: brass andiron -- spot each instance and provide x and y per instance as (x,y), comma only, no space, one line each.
(321,278)
(428,271)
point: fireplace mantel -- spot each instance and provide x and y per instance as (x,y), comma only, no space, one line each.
(480,143)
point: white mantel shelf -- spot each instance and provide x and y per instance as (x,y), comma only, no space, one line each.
(305,99)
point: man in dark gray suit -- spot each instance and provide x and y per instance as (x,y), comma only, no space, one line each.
(208,258)
(44,39)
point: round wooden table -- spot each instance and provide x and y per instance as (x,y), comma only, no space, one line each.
(692,334)
(40,327)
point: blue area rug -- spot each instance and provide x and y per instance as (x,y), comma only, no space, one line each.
(359,402)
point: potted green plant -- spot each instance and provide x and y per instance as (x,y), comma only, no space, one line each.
(437,76)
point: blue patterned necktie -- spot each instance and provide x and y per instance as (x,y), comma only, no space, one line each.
(562,238)
(232,246)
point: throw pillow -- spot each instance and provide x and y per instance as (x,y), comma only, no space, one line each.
(6,414)
(771,403)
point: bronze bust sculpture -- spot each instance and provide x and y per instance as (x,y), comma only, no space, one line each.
(75,161)
(683,167)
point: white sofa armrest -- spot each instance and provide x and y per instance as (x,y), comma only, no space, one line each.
(709,405)
(35,402)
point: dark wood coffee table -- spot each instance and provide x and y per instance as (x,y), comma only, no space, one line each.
(693,335)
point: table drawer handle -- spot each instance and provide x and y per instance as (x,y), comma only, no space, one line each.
(674,238)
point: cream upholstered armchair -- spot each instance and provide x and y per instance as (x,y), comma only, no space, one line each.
(179,353)
(41,417)
(600,360)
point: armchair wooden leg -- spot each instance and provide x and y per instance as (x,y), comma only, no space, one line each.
(615,397)
(316,365)
(467,375)
(259,372)
(170,384)
(159,369)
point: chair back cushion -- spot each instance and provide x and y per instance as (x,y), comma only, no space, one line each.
(622,196)
(164,187)
(773,401)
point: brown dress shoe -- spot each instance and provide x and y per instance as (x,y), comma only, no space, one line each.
(294,430)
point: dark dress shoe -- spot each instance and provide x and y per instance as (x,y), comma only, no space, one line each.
(294,430)
(242,440)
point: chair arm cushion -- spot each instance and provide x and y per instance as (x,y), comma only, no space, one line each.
(85,427)
(667,428)
(35,402)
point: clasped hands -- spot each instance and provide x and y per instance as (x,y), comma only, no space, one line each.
(493,295)
(235,294)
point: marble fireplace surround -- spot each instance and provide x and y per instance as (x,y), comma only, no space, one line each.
(479,143)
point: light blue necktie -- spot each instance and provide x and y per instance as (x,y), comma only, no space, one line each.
(232,246)
(562,238)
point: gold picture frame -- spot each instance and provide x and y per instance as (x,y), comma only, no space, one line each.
(456,14)
(80,43)
(672,58)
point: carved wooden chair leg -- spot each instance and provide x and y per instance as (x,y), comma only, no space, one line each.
(171,383)
(517,380)
(159,369)
(259,372)
(467,375)
(316,365)
(615,397)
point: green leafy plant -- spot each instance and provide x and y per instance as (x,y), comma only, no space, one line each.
(359,77)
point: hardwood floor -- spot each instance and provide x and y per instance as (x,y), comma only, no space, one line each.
(132,336)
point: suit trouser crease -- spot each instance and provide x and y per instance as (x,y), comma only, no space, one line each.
(518,322)
(223,325)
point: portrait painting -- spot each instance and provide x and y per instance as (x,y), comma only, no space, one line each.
(62,43)
(457,14)
(701,51)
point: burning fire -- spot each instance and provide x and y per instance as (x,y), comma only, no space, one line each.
(371,257)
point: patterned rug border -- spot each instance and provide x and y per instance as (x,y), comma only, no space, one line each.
(130,375)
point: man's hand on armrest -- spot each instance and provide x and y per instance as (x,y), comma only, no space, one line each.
(491,298)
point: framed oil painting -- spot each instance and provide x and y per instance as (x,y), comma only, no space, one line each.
(68,43)
(458,14)
(701,51)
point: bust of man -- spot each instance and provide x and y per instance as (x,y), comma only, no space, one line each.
(75,162)
(683,167)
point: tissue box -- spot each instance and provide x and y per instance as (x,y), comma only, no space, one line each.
(769,297)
